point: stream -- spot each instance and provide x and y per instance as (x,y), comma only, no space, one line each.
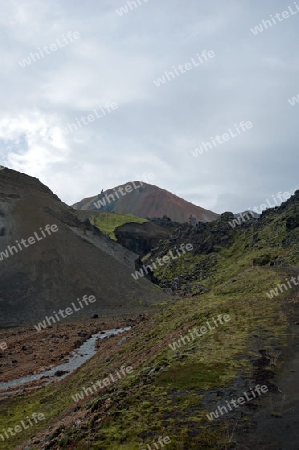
(78,357)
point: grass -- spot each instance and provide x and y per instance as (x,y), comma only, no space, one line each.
(107,222)
(190,376)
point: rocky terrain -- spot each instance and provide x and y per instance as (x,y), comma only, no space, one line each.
(140,238)
(267,238)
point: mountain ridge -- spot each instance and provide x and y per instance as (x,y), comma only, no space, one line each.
(146,201)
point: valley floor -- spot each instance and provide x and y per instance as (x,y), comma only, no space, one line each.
(170,392)
(29,352)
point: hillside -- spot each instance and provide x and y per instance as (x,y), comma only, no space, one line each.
(181,375)
(136,234)
(108,222)
(141,238)
(147,201)
(43,270)
(272,238)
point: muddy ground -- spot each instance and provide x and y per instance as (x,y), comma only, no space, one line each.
(30,352)
(275,423)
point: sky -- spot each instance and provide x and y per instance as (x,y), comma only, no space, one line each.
(94,58)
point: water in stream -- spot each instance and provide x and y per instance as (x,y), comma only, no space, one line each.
(76,359)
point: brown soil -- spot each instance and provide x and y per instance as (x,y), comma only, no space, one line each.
(148,201)
(30,352)
(75,416)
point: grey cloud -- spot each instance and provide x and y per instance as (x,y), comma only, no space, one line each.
(154,129)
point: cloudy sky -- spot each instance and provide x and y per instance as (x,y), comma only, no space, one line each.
(153,130)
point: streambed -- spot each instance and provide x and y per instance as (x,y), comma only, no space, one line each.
(78,357)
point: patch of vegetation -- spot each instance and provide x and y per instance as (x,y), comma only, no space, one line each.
(107,222)
(191,375)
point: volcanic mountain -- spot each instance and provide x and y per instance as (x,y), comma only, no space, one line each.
(145,200)
(44,271)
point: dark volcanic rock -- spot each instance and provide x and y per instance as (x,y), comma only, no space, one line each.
(140,238)
(208,239)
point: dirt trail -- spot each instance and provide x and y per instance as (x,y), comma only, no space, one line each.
(276,422)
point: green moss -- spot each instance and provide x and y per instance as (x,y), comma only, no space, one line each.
(191,376)
(107,222)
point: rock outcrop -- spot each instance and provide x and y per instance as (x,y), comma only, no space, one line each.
(140,238)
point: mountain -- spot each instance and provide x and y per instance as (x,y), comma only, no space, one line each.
(49,259)
(147,201)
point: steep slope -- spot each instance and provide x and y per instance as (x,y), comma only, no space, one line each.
(136,234)
(147,201)
(271,238)
(140,238)
(55,268)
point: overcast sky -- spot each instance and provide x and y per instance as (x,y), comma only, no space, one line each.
(116,58)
